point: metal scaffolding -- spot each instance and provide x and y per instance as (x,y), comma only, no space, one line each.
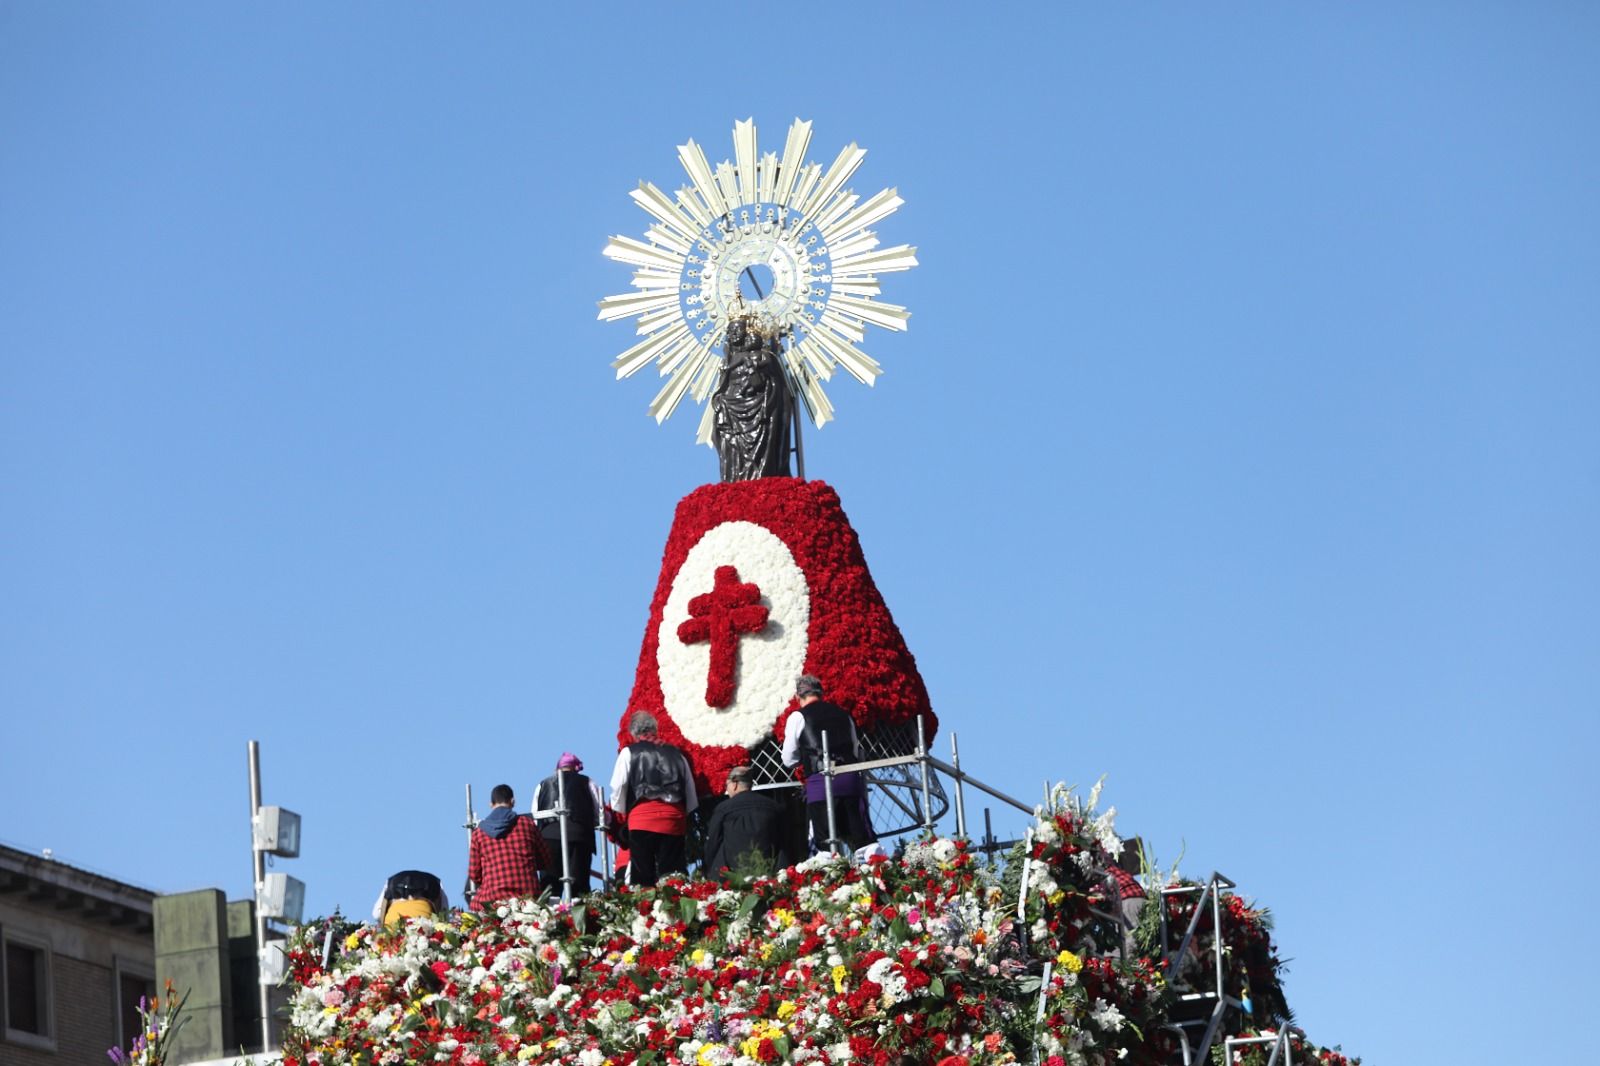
(1210,901)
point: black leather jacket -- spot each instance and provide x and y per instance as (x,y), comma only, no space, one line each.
(655,772)
(582,816)
(825,719)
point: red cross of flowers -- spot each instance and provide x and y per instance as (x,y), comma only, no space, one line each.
(720,616)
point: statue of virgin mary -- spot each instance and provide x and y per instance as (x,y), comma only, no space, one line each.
(752,406)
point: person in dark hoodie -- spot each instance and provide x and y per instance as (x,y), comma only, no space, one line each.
(745,834)
(506,853)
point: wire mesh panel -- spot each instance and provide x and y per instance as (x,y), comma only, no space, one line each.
(766,764)
(894,792)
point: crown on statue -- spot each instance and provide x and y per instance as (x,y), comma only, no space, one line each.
(756,322)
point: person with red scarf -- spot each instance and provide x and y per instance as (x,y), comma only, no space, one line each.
(653,788)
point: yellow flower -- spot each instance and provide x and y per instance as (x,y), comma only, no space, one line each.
(697,955)
(759,1032)
(786,1008)
(527,1052)
(839,974)
(1056,897)
(352,941)
(1069,962)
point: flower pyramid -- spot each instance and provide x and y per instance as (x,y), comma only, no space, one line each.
(762,581)
(930,956)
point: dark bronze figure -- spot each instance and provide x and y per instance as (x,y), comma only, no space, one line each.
(752,407)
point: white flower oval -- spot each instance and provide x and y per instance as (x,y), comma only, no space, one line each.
(769,662)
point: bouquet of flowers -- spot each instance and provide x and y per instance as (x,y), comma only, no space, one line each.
(159,1022)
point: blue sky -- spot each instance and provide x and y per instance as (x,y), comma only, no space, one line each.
(1243,446)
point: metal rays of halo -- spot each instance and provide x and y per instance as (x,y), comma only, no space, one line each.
(789,215)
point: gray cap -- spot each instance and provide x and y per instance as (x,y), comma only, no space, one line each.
(808,685)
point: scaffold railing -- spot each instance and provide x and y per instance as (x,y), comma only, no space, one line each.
(908,793)
(1280,1047)
(1178,963)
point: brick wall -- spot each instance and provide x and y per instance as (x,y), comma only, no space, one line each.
(84,1007)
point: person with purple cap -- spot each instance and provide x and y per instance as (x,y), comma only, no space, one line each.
(583,807)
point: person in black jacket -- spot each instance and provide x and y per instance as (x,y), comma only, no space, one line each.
(583,815)
(745,835)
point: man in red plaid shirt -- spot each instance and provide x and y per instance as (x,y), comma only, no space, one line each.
(506,854)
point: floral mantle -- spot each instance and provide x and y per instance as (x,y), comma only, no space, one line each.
(825,616)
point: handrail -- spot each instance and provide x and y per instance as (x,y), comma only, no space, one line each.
(1279,1042)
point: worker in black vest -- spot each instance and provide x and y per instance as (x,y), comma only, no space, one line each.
(653,787)
(802,746)
(583,815)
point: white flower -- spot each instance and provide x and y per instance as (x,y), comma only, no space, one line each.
(894,984)
(820,861)
(1103,827)
(1106,1015)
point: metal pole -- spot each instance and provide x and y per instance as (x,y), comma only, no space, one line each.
(1049,797)
(1030,810)
(799,441)
(605,839)
(561,814)
(961,802)
(988,835)
(260,872)
(827,792)
(469,889)
(1216,931)
(922,760)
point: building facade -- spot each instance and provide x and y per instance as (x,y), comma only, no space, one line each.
(77,951)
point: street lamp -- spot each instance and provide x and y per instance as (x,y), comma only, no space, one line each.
(273,831)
